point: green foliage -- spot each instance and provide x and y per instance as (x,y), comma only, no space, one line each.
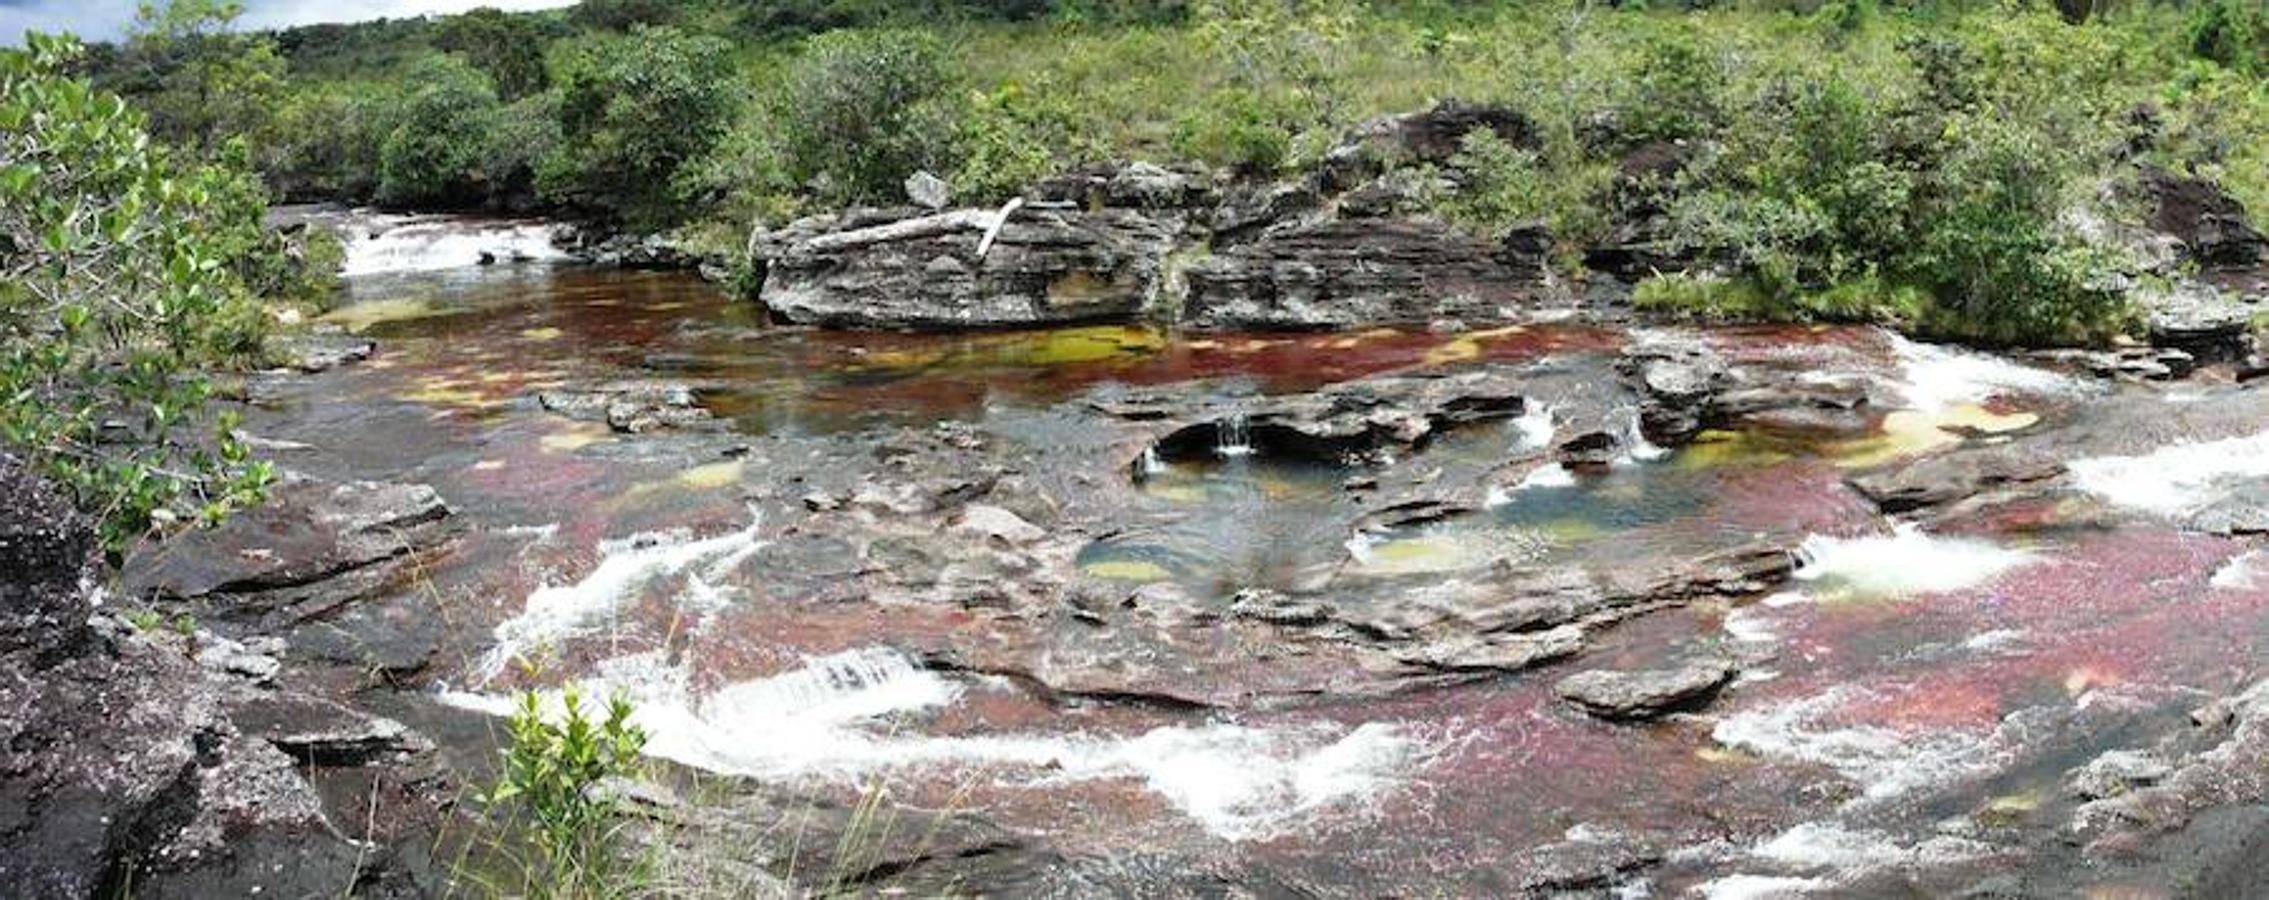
(859,111)
(553,778)
(1674,89)
(506,47)
(200,83)
(122,283)
(1500,186)
(441,135)
(624,15)
(2234,33)
(633,110)
(1015,135)
(1239,129)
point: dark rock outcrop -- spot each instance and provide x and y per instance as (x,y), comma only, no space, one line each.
(119,764)
(1427,137)
(2211,224)
(1354,422)
(894,270)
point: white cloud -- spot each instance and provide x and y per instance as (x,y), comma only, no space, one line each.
(98,20)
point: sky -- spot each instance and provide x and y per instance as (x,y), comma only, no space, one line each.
(98,20)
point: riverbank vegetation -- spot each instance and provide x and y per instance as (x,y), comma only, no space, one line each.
(1955,166)
(130,272)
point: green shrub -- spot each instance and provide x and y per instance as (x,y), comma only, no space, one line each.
(1013,136)
(1673,90)
(1236,128)
(124,286)
(508,48)
(441,136)
(2234,33)
(633,111)
(553,778)
(859,111)
(1500,186)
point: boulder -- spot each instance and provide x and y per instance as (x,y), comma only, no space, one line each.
(1944,478)
(118,763)
(630,407)
(2211,224)
(954,270)
(1360,421)
(1347,273)
(2200,318)
(1428,137)
(928,191)
(1644,694)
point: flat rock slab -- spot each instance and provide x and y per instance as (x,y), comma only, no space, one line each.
(308,531)
(1644,694)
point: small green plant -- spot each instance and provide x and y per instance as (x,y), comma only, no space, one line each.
(553,775)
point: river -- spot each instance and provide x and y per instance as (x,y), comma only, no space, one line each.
(800,591)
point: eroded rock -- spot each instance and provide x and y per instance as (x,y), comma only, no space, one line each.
(965,268)
(1644,694)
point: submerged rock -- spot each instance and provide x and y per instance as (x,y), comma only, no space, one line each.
(1352,422)
(1644,694)
(968,268)
(630,407)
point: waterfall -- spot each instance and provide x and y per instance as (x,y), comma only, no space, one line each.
(1233,437)
(1148,465)
(1633,436)
(1534,427)
(377,245)
(840,688)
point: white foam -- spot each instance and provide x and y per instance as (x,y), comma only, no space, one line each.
(1939,377)
(2240,574)
(1904,563)
(390,244)
(821,720)
(1760,887)
(1884,762)
(1846,851)
(1549,475)
(1534,428)
(555,612)
(2174,479)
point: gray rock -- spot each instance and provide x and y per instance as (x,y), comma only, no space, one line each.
(2117,772)
(1942,479)
(1045,267)
(312,353)
(1346,273)
(928,191)
(309,531)
(1644,694)
(630,407)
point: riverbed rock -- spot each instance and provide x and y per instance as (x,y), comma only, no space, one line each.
(309,531)
(2200,318)
(311,353)
(885,269)
(928,191)
(1362,421)
(1346,273)
(630,407)
(1934,481)
(118,762)
(1647,694)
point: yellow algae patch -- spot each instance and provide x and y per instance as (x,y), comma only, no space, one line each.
(359,317)
(1422,554)
(1712,449)
(668,306)
(1127,570)
(546,333)
(488,465)
(450,392)
(1179,492)
(1467,346)
(1914,432)
(1060,347)
(573,438)
(713,475)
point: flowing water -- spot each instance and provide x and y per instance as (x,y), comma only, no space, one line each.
(1903,679)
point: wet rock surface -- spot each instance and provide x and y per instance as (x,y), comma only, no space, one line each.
(1644,694)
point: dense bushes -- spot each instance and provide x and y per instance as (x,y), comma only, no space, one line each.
(440,137)
(126,274)
(632,112)
(859,111)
